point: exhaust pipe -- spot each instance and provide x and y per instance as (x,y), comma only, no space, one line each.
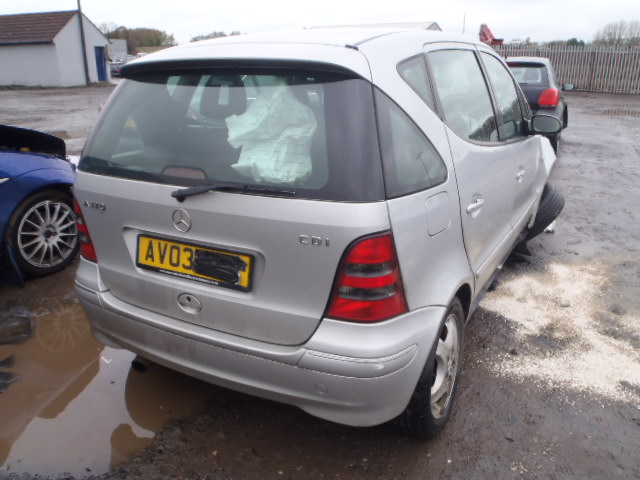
(141,364)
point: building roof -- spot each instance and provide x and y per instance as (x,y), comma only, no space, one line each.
(31,28)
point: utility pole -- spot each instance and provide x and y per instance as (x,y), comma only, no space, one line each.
(84,46)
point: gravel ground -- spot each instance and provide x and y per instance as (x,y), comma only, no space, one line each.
(68,113)
(551,381)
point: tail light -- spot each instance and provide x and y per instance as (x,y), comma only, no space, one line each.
(368,287)
(549,98)
(86,244)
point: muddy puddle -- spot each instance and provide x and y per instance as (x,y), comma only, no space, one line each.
(70,405)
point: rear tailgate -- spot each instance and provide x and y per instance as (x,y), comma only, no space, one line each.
(290,249)
(532,94)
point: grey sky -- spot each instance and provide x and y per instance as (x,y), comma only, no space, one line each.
(541,20)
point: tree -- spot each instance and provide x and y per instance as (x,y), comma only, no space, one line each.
(141,37)
(619,34)
(574,42)
(214,34)
(555,43)
(107,27)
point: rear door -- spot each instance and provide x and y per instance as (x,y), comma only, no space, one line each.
(513,131)
(487,168)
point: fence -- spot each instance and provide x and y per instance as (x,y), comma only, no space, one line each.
(588,69)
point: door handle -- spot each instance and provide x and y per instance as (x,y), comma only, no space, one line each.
(520,174)
(475,206)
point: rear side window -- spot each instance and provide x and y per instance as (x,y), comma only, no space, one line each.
(310,133)
(414,72)
(463,94)
(411,163)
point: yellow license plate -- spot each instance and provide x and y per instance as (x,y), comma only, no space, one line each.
(194,262)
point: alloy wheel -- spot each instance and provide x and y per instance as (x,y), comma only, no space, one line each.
(445,368)
(47,234)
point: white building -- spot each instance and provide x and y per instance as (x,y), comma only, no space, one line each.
(45,49)
(118,50)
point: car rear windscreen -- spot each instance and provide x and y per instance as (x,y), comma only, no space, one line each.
(310,133)
(529,74)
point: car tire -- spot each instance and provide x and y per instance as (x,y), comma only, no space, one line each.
(555,142)
(42,233)
(430,405)
(551,204)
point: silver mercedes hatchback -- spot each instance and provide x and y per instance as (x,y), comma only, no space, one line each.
(311,217)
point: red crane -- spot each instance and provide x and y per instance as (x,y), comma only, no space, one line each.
(487,37)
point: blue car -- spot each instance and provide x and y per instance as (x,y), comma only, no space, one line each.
(38,231)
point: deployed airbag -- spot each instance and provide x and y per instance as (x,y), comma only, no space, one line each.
(275,134)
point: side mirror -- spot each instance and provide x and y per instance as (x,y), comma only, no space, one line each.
(545,124)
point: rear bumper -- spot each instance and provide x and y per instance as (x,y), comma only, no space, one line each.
(353,374)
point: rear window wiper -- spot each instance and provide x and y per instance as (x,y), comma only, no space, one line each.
(183,193)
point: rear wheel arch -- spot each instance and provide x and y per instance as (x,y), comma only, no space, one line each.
(431,403)
(464,295)
(61,187)
(64,188)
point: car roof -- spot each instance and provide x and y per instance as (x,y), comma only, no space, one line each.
(349,48)
(336,36)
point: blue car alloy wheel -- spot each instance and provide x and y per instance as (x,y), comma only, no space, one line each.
(42,233)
